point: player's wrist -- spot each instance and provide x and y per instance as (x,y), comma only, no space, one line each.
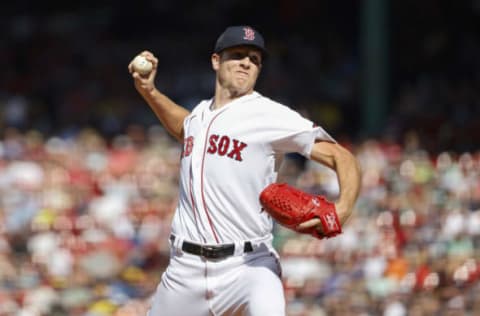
(344,210)
(150,93)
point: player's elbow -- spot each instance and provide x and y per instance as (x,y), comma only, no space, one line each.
(343,157)
(336,157)
(351,164)
(352,161)
(349,172)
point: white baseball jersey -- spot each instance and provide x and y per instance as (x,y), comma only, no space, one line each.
(230,155)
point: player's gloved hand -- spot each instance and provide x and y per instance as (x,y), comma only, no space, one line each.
(300,211)
(144,84)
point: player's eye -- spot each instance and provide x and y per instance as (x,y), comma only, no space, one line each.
(254,59)
(239,55)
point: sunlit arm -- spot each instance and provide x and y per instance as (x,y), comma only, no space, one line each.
(170,114)
(348,172)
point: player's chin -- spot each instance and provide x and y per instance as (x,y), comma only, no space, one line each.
(243,86)
(242,92)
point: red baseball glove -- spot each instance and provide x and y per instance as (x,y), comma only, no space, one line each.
(291,207)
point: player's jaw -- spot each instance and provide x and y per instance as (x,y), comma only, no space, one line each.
(239,79)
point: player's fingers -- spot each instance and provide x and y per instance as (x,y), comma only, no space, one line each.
(140,78)
(154,61)
(149,56)
(309,224)
(136,75)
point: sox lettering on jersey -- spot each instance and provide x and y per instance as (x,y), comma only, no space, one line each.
(222,145)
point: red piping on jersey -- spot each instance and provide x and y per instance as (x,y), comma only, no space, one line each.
(191,195)
(192,200)
(202,177)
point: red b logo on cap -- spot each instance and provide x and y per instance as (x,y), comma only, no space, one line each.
(249,34)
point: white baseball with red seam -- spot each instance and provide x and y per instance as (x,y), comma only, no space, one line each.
(142,65)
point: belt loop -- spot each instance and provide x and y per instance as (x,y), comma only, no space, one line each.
(177,243)
(266,240)
(239,248)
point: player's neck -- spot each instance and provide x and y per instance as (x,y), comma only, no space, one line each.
(225,96)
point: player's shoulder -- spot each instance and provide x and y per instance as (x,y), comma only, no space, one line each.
(274,107)
(270,104)
(200,107)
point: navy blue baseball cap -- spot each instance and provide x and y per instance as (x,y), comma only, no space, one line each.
(240,35)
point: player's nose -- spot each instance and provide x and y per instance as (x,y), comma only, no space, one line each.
(245,61)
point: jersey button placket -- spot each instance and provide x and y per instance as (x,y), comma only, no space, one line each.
(196,162)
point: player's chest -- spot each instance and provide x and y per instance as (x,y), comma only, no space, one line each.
(221,136)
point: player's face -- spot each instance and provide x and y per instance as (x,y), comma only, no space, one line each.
(238,68)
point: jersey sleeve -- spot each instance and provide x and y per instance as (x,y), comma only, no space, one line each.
(291,132)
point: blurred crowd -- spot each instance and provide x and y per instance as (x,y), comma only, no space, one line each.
(84,223)
(84,227)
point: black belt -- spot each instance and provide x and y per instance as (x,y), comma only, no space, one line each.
(212,251)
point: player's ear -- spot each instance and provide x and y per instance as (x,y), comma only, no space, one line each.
(215,61)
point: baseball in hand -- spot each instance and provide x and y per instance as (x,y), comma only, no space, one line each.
(142,65)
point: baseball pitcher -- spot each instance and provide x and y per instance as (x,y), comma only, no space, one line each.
(222,261)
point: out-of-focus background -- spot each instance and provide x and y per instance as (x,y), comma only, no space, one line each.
(88,179)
